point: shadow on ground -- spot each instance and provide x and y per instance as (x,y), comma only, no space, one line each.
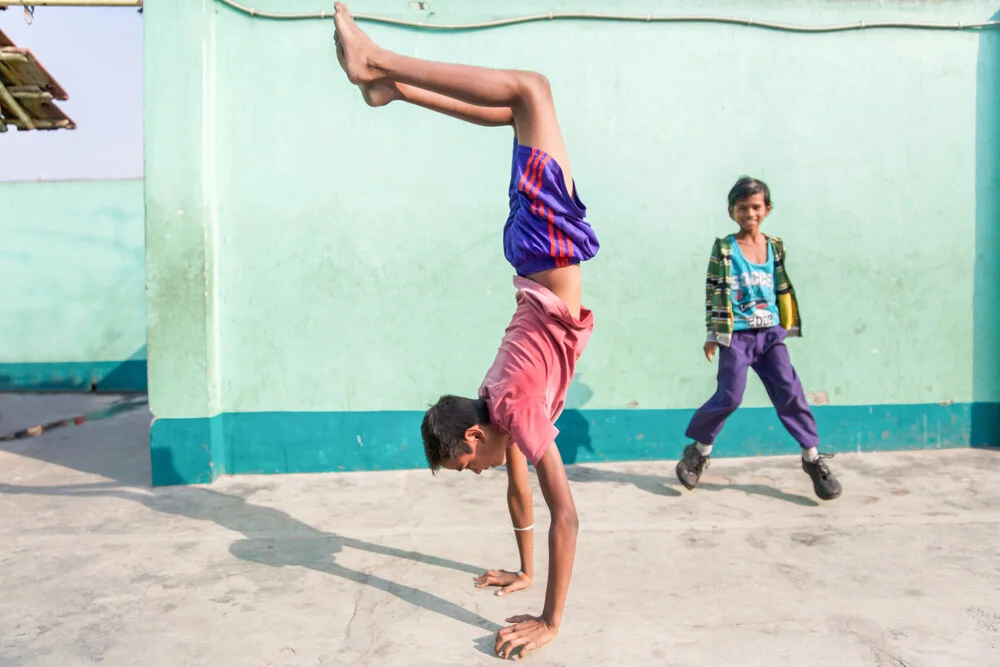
(114,444)
(111,441)
(574,435)
(106,436)
(664,486)
(275,539)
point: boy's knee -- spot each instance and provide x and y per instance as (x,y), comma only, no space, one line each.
(730,399)
(535,86)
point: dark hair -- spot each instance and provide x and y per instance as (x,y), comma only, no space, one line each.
(445,424)
(748,187)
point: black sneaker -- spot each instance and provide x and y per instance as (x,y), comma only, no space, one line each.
(824,483)
(690,467)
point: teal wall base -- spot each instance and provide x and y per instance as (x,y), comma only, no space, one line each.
(105,376)
(985,429)
(309,442)
(181,451)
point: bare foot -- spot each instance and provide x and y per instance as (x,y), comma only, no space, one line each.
(379,93)
(355,49)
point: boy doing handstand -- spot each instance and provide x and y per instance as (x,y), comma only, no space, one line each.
(546,237)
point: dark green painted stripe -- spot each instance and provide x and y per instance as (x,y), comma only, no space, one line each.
(198,450)
(108,376)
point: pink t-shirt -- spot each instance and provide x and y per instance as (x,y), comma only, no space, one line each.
(525,388)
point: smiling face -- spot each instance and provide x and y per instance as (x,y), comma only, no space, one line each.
(750,212)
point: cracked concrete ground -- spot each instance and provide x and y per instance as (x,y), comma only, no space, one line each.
(377,568)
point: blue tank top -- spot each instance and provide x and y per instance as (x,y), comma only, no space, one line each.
(751,291)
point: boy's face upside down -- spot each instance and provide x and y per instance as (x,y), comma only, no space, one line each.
(489,450)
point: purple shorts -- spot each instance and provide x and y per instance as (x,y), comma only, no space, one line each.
(546,228)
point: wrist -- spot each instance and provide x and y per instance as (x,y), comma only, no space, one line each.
(551,621)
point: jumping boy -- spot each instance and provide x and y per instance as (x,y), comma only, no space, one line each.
(750,308)
(545,239)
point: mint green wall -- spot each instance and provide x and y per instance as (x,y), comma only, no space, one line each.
(72,270)
(309,254)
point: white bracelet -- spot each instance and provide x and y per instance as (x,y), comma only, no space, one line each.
(518,530)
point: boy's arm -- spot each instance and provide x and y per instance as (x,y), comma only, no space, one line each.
(522,515)
(523,520)
(531,632)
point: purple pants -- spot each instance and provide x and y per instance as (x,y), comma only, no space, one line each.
(764,351)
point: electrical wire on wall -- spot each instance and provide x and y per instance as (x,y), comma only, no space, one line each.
(632,18)
(550,16)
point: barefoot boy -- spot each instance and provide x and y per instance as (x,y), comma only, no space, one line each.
(545,239)
(750,309)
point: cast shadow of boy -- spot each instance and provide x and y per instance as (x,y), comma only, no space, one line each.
(276,539)
(574,435)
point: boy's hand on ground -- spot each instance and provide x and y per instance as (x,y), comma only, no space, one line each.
(510,582)
(528,632)
(710,349)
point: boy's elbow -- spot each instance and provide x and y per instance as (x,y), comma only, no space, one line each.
(567,520)
(521,496)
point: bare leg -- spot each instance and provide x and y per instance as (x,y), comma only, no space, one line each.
(527,94)
(565,282)
(383,91)
(479,95)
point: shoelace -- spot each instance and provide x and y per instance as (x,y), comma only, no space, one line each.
(824,470)
(702,462)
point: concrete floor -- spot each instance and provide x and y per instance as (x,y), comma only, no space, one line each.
(377,568)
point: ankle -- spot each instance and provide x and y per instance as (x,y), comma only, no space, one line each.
(703,449)
(376,60)
(810,454)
